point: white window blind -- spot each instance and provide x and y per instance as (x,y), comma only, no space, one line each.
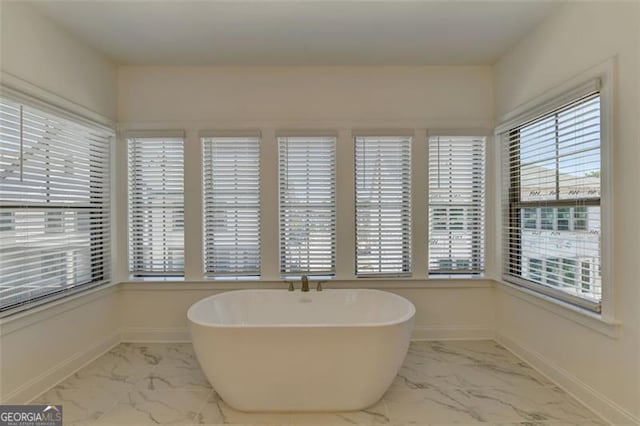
(383,206)
(54,205)
(231,205)
(156,206)
(307,205)
(456,205)
(552,203)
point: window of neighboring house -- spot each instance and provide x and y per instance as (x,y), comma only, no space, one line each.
(54,172)
(7,221)
(456,205)
(156,205)
(54,221)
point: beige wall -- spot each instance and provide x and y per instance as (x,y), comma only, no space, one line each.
(41,347)
(37,51)
(159,311)
(338,98)
(580,36)
(306,95)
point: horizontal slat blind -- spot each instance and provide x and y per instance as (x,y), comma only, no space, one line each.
(307,205)
(54,205)
(456,205)
(156,206)
(552,204)
(383,205)
(231,205)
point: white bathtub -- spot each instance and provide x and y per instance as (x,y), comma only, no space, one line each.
(275,350)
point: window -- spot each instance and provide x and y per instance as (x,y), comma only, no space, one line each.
(456,205)
(307,205)
(563,216)
(383,206)
(530,218)
(156,205)
(546,218)
(553,166)
(54,204)
(231,205)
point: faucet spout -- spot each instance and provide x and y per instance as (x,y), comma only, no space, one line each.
(305,283)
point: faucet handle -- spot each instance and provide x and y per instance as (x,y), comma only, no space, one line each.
(319,285)
(291,287)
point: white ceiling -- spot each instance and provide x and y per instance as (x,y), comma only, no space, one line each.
(299,32)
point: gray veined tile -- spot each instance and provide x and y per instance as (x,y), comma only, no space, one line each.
(374,415)
(211,411)
(447,405)
(80,404)
(131,358)
(500,376)
(440,383)
(216,411)
(425,406)
(174,378)
(478,352)
(159,407)
(177,355)
(592,422)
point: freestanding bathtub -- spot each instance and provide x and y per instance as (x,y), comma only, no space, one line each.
(276,350)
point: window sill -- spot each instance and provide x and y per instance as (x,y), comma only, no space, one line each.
(573,313)
(377,283)
(154,279)
(48,308)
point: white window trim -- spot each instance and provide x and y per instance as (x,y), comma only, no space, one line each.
(491,192)
(284,134)
(22,91)
(488,190)
(604,75)
(345,203)
(233,133)
(413,170)
(121,196)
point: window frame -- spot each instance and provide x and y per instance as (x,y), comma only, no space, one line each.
(284,136)
(58,108)
(600,77)
(485,196)
(151,134)
(209,137)
(408,261)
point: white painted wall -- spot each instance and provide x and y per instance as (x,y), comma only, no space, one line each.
(447,96)
(157,311)
(272,98)
(39,52)
(39,348)
(602,370)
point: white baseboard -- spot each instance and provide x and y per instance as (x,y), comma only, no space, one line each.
(59,372)
(600,404)
(155,335)
(444,332)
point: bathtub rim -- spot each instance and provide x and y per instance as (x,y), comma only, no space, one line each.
(402,319)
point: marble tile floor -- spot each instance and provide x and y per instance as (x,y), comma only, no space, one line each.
(441,383)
